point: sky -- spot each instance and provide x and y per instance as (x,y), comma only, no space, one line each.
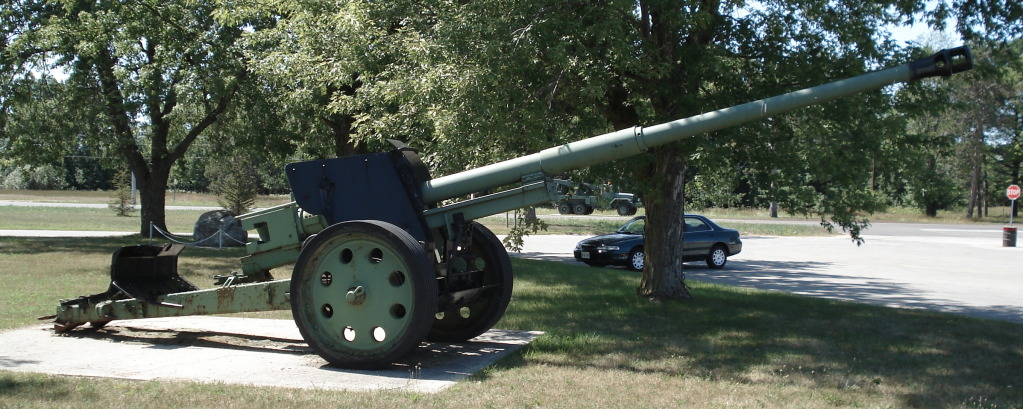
(917,33)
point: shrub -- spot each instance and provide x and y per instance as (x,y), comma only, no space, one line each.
(235,183)
(121,204)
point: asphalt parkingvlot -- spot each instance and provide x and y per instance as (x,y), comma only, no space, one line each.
(973,275)
(963,271)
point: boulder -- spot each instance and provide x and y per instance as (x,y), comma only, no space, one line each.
(208,228)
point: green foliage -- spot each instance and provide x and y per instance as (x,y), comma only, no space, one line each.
(526,223)
(470,83)
(189,173)
(144,81)
(86,173)
(234,180)
(122,195)
(39,177)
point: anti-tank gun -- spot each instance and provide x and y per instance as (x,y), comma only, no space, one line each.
(382,261)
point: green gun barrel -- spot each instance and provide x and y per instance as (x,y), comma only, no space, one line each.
(629,142)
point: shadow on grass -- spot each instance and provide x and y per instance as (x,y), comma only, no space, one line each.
(99,245)
(30,383)
(35,245)
(594,320)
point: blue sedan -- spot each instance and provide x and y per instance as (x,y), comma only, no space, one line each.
(704,241)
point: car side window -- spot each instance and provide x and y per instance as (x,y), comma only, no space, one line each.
(636,227)
(694,225)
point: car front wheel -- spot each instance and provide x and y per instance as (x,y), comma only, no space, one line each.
(636,259)
(718,257)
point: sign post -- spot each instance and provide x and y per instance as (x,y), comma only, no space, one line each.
(1012,192)
(1009,233)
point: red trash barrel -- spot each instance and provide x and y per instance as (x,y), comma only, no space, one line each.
(1008,237)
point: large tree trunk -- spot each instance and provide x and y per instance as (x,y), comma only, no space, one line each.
(153,192)
(342,125)
(663,277)
(931,204)
(975,156)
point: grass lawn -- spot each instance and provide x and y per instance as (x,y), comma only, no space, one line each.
(87,219)
(604,347)
(183,221)
(104,197)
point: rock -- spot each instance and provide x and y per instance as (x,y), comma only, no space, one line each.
(210,224)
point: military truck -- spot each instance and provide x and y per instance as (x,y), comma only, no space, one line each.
(583,198)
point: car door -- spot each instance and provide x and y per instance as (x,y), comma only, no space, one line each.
(698,238)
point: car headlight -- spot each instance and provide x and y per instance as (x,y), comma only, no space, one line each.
(604,247)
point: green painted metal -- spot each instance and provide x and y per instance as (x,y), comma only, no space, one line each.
(267,296)
(364,293)
(280,231)
(471,209)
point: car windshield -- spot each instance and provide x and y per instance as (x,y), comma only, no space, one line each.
(634,226)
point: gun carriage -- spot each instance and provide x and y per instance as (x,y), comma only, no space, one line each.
(371,281)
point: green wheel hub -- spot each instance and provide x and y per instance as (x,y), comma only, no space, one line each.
(363,293)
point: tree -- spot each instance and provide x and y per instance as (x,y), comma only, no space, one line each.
(474,82)
(566,71)
(643,62)
(235,182)
(161,72)
(986,124)
(326,63)
(121,203)
(1005,133)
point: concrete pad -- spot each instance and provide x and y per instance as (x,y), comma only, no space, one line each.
(247,351)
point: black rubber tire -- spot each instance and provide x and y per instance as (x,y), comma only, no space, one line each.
(718,257)
(564,208)
(461,324)
(636,259)
(579,208)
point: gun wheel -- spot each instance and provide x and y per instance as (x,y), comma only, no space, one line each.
(466,322)
(363,293)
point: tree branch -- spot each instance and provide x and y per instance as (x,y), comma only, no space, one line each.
(211,115)
(114,105)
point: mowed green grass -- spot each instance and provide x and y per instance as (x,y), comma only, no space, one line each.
(183,221)
(87,219)
(603,347)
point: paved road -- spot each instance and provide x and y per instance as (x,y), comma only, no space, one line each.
(935,230)
(937,270)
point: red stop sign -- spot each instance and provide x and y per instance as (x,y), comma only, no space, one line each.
(1012,192)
